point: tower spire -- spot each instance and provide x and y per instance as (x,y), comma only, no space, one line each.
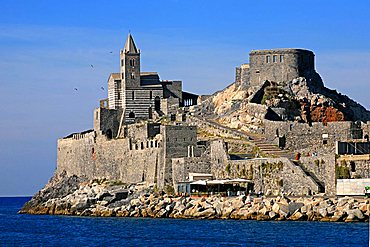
(130,46)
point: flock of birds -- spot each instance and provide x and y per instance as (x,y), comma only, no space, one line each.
(92,66)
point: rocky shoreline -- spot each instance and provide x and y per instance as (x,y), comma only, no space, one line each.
(74,196)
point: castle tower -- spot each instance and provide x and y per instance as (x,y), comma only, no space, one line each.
(130,64)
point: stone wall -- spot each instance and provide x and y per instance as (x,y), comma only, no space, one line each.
(279,65)
(121,159)
(135,157)
(302,137)
(106,121)
(181,167)
(179,142)
(242,75)
(170,105)
(270,175)
(352,167)
(323,167)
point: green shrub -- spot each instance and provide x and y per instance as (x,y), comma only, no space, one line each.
(228,169)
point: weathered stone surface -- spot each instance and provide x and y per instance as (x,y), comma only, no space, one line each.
(294,206)
(96,200)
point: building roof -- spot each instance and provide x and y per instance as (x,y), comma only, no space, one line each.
(130,46)
(115,76)
(149,78)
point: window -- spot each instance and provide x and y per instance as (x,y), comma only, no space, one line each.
(150,94)
(142,145)
(123,75)
(353,166)
(267,59)
(132,75)
(281,58)
(325,141)
(122,63)
(131,115)
(132,62)
(97,115)
(118,95)
(133,95)
(274,58)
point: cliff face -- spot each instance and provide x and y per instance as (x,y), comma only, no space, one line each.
(303,99)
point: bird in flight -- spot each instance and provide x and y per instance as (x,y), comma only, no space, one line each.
(102,88)
(75,89)
(92,66)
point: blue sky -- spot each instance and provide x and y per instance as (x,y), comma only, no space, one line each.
(47,47)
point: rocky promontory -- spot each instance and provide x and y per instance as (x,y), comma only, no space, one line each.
(100,197)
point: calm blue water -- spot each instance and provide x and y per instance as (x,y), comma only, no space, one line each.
(26,230)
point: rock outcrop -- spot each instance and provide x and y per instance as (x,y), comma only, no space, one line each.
(301,99)
(109,198)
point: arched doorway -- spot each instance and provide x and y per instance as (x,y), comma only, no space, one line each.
(131,115)
(109,134)
(157,103)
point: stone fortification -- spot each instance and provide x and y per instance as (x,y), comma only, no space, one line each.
(147,133)
(278,65)
(142,153)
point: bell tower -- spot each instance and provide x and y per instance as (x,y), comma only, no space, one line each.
(130,65)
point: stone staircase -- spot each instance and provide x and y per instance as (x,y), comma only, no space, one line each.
(269,148)
(260,141)
(320,185)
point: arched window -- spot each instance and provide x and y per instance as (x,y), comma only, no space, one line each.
(132,75)
(131,115)
(157,103)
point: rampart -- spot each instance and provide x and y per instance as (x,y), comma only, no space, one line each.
(315,138)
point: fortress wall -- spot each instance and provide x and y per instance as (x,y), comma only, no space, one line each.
(308,139)
(179,141)
(113,159)
(181,167)
(107,120)
(242,75)
(324,169)
(270,174)
(170,105)
(279,65)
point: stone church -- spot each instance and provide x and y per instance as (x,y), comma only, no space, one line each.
(142,95)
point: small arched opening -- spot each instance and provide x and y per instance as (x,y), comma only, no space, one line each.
(366,137)
(150,112)
(131,115)
(109,134)
(157,103)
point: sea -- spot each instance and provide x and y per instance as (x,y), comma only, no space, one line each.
(47,230)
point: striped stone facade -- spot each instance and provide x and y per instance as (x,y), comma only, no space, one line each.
(141,95)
